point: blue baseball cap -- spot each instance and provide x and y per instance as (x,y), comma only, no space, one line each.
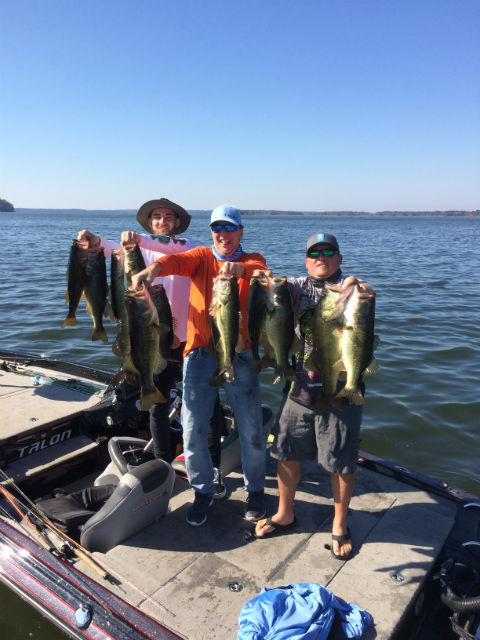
(322,238)
(226,213)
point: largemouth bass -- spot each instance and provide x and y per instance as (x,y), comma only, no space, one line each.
(96,292)
(144,358)
(326,357)
(121,346)
(358,341)
(279,327)
(134,262)
(225,322)
(166,338)
(76,278)
(257,307)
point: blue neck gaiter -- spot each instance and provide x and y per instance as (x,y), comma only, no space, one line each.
(233,258)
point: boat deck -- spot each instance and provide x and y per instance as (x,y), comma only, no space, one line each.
(396,528)
(27,408)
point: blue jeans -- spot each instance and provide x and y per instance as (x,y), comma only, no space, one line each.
(198,400)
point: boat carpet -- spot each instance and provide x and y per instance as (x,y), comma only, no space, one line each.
(26,408)
(205,575)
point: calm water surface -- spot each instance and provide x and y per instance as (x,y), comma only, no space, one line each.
(422,407)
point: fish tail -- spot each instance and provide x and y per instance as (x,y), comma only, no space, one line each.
(372,367)
(228,375)
(223,375)
(70,320)
(147,400)
(99,333)
(353,395)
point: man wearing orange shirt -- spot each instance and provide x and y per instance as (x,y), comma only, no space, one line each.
(202,265)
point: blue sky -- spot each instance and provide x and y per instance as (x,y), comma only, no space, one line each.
(313,105)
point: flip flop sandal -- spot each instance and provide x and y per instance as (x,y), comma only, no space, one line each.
(277,528)
(342,540)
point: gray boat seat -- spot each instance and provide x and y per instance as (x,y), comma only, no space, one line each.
(141,497)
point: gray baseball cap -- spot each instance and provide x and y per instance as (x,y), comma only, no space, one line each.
(322,238)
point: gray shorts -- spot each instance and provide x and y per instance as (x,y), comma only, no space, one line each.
(331,436)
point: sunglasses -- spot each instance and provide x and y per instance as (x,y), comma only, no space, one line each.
(216,228)
(326,253)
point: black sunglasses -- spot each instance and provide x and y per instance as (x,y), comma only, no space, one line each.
(326,253)
(216,228)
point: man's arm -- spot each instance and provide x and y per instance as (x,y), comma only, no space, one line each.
(147,276)
(166,244)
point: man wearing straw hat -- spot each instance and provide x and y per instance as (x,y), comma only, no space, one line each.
(164,220)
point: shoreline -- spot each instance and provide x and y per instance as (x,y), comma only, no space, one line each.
(272,212)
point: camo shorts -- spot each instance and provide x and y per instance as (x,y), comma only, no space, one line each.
(331,436)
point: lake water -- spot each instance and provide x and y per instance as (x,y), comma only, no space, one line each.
(422,407)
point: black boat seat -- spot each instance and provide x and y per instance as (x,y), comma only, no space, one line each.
(141,497)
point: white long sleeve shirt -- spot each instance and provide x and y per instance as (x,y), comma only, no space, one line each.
(177,288)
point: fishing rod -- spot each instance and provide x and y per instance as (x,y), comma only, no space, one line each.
(101,567)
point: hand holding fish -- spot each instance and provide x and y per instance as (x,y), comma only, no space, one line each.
(232,269)
(364,287)
(91,240)
(263,273)
(147,276)
(129,237)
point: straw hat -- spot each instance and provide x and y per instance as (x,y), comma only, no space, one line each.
(147,208)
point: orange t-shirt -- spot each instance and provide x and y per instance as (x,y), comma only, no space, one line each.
(201,266)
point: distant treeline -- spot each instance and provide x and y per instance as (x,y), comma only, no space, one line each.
(269,212)
(263,212)
(6,206)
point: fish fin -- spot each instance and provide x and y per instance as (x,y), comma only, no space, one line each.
(224,375)
(322,402)
(376,341)
(268,361)
(227,373)
(107,312)
(372,367)
(118,377)
(89,310)
(160,364)
(99,333)
(339,366)
(129,366)
(216,380)
(70,320)
(176,342)
(337,403)
(257,363)
(131,378)
(147,400)
(117,348)
(67,297)
(240,346)
(354,396)
(211,346)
